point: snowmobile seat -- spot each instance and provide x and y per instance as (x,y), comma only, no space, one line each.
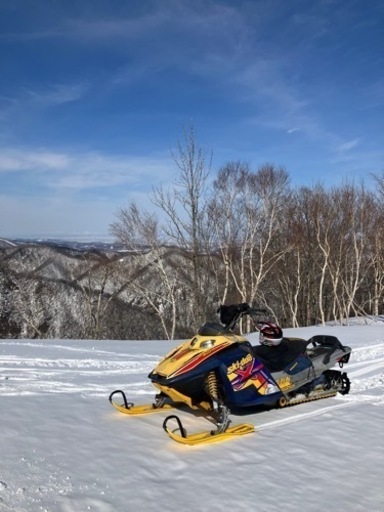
(276,358)
(325,340)
(325,344)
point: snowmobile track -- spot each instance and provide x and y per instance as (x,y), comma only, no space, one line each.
(318,412)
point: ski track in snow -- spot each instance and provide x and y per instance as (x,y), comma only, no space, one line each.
(94,374)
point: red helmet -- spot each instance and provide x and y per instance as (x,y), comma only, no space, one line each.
(270,334)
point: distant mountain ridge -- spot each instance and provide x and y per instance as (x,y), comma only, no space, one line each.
(70,243)
(7,243)
(77,290)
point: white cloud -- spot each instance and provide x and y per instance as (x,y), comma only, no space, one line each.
(82,171)
(345,147)
(13,160)
(25,102)
(52,193)
(97,170)
(55,94)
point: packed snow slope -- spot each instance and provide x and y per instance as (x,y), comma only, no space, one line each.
(63,448)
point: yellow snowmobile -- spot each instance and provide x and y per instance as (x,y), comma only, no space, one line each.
(218,371)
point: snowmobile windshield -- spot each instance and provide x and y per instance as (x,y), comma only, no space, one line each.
(212,329)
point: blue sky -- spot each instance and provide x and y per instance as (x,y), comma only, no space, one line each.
(95,94)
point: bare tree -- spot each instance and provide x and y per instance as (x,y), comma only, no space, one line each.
(95,278)
(375,297)
(184,209)
(248,226)
(226,215)
(29,307)
(330,231)
(298,273)
(288,273)
(150,275)
(324,214)
(357,208)
(376,244)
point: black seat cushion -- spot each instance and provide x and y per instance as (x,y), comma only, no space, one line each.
(276,358)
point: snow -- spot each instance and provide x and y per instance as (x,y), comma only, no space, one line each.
(64,448)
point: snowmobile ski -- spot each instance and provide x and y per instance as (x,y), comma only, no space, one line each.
(180,435)
(131,409)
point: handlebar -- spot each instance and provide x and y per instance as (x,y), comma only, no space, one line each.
(229,315)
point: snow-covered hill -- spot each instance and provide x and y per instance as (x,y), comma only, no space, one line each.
(63,448)
(52,291)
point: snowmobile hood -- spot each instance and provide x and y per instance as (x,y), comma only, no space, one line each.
(193,352)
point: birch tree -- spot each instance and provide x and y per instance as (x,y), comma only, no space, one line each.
(149,274)
(289,270)
(376,244)
(249,210)
(227,217)
(185,213)
(357,207)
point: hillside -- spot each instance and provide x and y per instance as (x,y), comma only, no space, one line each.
(67,291)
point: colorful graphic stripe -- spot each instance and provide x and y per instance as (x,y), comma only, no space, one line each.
(252,373)
(199,358)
